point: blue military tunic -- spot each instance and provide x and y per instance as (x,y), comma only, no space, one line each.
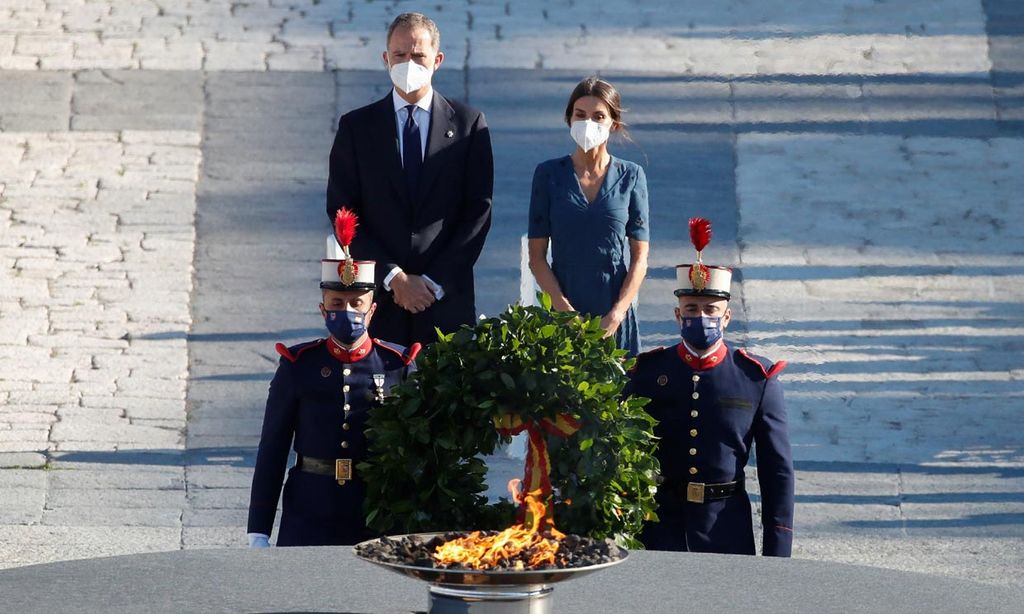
(319,399)
(710,412)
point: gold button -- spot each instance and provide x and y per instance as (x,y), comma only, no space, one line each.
(347,372)
(693,451)
(346,426)
(694,413)
(344,388)
(346,407)
(344,444)
(693,432)
(695,395)
(695,377)
(693,471)
(337,351)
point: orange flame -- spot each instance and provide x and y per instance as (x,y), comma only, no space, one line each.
(476,551)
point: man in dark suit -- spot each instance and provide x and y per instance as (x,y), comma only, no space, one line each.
(418,170)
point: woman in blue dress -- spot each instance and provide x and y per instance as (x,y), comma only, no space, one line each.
(587,205)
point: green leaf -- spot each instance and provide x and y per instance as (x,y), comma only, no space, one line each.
(422,468)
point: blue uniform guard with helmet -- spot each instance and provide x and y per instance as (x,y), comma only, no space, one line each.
(712,412)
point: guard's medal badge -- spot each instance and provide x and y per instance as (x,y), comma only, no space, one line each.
(347,271)
(378,382)
(699,275)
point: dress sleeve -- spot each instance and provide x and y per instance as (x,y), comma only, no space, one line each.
(774,471)
(272,455)
(540,206)
(637,227)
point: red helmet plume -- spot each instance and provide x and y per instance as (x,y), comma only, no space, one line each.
(345,222)
(700,233)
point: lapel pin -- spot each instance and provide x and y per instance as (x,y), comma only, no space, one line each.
(450,133)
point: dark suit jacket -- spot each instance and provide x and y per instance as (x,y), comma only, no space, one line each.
(439,231)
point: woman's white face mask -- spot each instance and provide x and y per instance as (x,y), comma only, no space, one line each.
(588,134)
(410,76)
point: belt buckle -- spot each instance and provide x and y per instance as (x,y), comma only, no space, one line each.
(695,492)
(343,470)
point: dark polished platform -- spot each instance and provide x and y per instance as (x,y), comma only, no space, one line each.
(333,580)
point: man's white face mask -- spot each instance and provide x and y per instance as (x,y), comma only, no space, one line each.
(588,134)
(410,76)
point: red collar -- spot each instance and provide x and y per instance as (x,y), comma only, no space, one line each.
(702,364)
(353,355)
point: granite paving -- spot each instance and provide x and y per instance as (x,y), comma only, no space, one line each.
(162,174)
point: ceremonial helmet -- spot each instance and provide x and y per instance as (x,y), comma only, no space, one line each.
(339,271)
(697,278)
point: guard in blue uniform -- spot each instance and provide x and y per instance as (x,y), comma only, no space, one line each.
(713,403)
(319,401)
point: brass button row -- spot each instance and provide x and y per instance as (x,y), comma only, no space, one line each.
(693,414)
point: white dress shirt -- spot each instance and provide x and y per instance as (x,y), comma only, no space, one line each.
(422,117)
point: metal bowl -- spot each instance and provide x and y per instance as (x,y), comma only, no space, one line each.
(470,577)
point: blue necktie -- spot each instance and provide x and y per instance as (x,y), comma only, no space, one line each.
(412,151)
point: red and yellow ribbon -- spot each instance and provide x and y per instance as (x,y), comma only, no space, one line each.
(538,462)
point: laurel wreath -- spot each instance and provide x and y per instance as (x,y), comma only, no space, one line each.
(425,471)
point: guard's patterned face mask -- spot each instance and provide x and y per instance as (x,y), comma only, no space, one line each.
(701,332)
(346,326)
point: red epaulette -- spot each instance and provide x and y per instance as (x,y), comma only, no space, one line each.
(293,356)
(768,373)
(644,355)
(660,348)
(407,356)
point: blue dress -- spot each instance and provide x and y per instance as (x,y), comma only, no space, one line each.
(589,240)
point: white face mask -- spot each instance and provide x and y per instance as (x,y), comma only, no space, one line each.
(588,134)
(410,76)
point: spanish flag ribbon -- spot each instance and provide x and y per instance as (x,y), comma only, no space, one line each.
(538,462)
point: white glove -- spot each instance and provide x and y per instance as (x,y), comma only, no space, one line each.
(258,540)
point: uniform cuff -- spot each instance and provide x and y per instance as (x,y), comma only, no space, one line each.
(258,540)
